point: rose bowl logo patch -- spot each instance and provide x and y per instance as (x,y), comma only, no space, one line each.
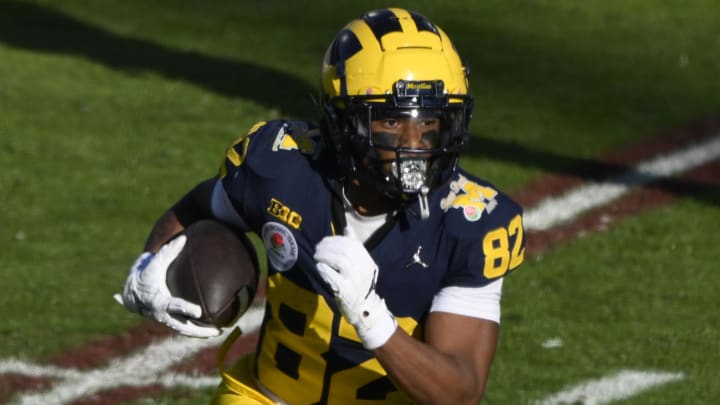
(280,246)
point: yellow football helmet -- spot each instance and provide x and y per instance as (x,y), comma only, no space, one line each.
(395,63)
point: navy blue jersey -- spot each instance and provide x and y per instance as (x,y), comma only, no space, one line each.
(282,184)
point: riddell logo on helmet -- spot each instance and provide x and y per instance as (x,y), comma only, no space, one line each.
(419,86)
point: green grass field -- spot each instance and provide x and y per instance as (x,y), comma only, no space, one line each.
(109,111)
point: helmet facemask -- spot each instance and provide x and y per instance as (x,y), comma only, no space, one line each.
(414,169)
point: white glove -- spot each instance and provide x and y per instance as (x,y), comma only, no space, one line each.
(347,267)
(146,292)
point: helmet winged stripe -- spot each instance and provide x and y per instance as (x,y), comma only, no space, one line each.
(382,22)
(423,24)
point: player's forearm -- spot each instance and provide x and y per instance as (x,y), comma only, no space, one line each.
(427,375)
(164,229)
(195,205)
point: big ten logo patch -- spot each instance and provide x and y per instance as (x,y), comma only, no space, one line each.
(470,197)
(284,213)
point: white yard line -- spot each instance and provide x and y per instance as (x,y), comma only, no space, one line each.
(146,367)
(622,385)
(554,211)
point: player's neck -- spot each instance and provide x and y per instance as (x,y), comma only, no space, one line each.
(367,200)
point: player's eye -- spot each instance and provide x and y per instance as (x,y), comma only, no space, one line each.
(390,123)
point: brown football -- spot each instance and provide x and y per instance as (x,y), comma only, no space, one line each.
(216,269)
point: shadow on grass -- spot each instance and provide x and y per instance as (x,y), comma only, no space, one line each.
(33,27)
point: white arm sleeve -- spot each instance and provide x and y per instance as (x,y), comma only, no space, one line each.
(477,302)
(223,209)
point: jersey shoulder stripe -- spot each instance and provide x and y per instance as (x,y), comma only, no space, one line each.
(270,147)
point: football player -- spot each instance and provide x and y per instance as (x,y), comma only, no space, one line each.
(385,258)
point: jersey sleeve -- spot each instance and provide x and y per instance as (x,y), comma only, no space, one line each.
(476,302)
(267,152)
(223,209)
(490,240)
(236,169)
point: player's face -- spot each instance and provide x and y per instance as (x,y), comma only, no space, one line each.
(409,132)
